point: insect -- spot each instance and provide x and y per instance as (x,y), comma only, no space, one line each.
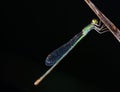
(57,55)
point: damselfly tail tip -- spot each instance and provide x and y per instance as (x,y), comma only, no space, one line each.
(38,81)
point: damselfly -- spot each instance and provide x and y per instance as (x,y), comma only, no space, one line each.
(58,54)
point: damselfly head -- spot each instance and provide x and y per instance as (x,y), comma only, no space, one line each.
(94,21)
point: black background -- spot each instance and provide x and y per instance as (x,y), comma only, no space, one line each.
(30,30)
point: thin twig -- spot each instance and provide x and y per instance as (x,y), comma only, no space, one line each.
(112,28)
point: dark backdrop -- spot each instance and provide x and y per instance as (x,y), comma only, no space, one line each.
(31,29)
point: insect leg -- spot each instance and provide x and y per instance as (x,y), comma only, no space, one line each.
(100,28)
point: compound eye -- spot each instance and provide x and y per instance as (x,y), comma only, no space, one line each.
(94,21)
